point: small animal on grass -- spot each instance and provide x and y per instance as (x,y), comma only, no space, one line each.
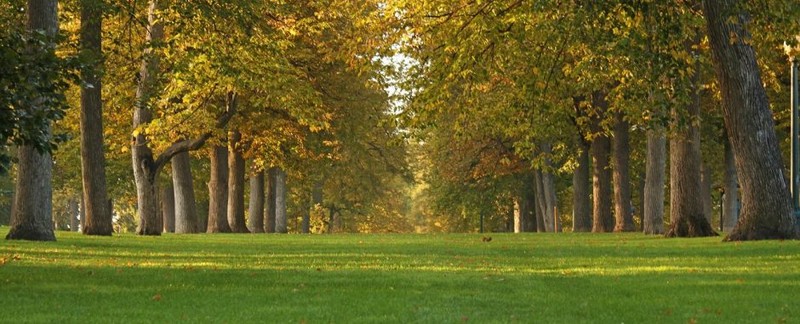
(486,239)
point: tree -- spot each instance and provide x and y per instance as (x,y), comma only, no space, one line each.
(185,205)
(255,220)
(218,191)
(167,199)
(621,174)
(653,214)
(98,216)
(31,217)
(280,201)
(766,203)
(730,201)
(236,184)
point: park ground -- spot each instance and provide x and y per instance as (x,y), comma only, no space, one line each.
(430,278)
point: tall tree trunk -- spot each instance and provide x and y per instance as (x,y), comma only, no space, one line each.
(519,220)
(653,213)
(600,149)
(621,175)
(73,215)
(687,218)
(730,207)
(528,203)
(269,219)
(145,169)
(280,202)
(705,190)
(168,208)
(98,217)
(218,191)
(31,218)
(256,207)
(185,204)
(236,185)
(581,192)
(552,223)
(541,202)
(767,211)
(81,214)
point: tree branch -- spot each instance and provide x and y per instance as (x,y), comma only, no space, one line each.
(197,142)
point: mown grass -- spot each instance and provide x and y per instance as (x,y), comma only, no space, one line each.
(452,278)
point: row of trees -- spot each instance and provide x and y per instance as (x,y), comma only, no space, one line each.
(511,105)
(290,87)
(545,89)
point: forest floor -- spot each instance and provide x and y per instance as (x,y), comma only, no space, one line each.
(432,278)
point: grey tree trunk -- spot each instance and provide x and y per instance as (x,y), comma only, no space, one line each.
(653,213)
(581,192)
(767,211)
(518,215)
(621,175)
(600,149)
(541,202)
(145,169)
(269,219)
(705,191)
(255,222)
(730,203)
(236,185)
(31,218)
(73,215)
(81,214)
(687,218)
(552,223)
(218,191)
(98,217)
(168,208)
(185,204)
(280,202)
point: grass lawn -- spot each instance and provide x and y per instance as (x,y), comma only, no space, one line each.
(446,278)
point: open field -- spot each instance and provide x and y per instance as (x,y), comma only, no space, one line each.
(449,278)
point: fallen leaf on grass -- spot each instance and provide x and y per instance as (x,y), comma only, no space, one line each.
(157,297)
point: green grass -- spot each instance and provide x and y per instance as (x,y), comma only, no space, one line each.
(452,278)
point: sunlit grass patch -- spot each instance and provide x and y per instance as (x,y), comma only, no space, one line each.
(399,278)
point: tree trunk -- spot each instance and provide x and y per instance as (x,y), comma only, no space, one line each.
(81,214)
(687,218)
(767,211)
(705,190)
(31,218)
(528,203)
(218,191)
(269,219)
(581,192)
(98,217)
(621,175)
(518,215)
(730,203)
(73,215)
(168,208)
(602,217)
(653,213)
(185,204)
(280,202)
(316,199)
(144,167)
(255,222)
(541,202)
(236,185)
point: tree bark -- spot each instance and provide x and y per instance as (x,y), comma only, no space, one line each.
(81,214)
(621,175)
(31,217)
(687,218)
(185,204)
(168,208)
(316,199)
(653,213)
(255,222)
(73,215)
(581,192)
(236,185)
(730,203)
(518,215)
(280,202)
(602,217)
(98,217)
(767,211)
(218,191)
(269,219)
(144,167)
(541,202)
(705,190)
